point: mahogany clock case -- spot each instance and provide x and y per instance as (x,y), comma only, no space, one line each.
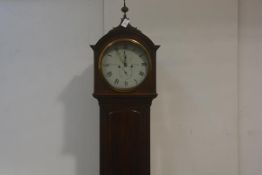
(125,116)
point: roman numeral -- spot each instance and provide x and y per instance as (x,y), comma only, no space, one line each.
(109,74)
(116,81)
(144,64)
(141,74)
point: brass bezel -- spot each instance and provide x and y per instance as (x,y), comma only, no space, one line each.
(135,42)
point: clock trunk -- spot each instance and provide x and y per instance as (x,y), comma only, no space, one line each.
(125,137)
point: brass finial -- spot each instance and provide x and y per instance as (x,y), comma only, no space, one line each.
(124,9)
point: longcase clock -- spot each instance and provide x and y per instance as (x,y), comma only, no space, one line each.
(125,85)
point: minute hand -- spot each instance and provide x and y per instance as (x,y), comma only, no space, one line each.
(125,64)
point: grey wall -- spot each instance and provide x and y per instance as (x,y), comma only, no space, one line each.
(206,120)
(250,85)
(48,118)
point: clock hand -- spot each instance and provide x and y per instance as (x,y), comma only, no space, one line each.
(125,64)
(124,70)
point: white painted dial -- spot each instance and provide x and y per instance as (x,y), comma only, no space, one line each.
(125,64)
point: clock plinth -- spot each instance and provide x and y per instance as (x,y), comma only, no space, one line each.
(125,108)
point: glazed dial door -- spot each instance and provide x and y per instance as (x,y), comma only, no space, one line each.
(125,64)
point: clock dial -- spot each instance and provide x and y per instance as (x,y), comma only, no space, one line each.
(125,64)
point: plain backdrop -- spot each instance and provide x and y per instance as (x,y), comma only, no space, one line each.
(205,121)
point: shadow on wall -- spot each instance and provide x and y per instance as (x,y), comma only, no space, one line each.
(81,128)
